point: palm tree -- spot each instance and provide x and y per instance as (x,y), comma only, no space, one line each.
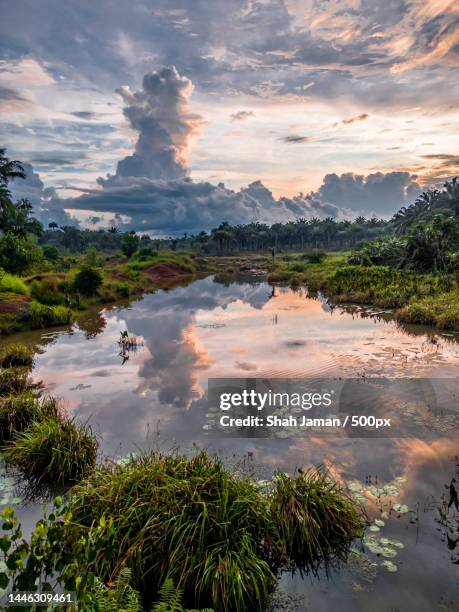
(9,169)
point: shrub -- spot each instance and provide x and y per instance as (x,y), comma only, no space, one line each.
(17,254)
(314,257)
(18,412)
(16,355)
(40,315)
(54,451)
(47,292)
(9,282)
(130,244)
(50,252)
(121,289)
(88,280)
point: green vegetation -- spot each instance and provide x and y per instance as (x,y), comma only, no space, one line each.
(88,280)
(171,520)
(311,516)
(39,315)
(16,355)
(9,282)
(55,451)
(18,412)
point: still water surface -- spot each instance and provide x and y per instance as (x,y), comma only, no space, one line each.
(157,398)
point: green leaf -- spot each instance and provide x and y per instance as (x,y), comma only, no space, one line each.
(3,580)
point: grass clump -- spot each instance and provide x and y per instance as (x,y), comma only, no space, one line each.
(16,355)
(311,517)
(47,291)
(53,451)
(14,381)
(19,411)
(189,519)
(41,316)
(218,536)
(10,282)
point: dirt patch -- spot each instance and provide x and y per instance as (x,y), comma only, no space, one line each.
(165,272)
(14,305)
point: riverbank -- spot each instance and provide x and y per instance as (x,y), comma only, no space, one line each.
(424,299)
(55,298)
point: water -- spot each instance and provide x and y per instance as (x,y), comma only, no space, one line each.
(157,399)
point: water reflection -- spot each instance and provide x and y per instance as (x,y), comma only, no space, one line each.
(240,328)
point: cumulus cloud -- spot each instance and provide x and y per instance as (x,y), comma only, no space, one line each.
(46,205)
(160,113)
(380,193)
(242,115)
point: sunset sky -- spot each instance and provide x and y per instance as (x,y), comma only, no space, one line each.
(170,116)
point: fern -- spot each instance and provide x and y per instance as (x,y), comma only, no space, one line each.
(170,599)
(119,598)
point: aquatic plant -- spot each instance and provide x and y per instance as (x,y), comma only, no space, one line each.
(311,514)
(55,451)
(17,412)
(16,355)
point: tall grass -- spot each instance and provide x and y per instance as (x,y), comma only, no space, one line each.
(311,516)
(56,451)
(16,355)
(9,282)
(16,380)
(18,412)
(44,316)
(217,535)
(187,519)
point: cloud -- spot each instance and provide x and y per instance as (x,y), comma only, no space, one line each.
(46,205)
(84,115)
(160,113)
(361,117)
(242,115)
(294,139)
(380,193)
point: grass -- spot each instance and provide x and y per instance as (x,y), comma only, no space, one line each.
(311,516)
(40,315)
(16,355)
(54,451)
(9,282)
(426,299)
(216,534)
(14,381)
(440,311)
(19,411)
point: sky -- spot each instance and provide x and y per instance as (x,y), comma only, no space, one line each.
(174,115)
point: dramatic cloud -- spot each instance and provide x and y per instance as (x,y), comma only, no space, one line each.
(160,113)
(47,206)
(241,115)
(380,193)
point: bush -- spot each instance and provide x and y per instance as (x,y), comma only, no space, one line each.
(121,289)
(18,412)
(88,280)
(47,292)
(130,244)
(16,355)
(41,316)
(50,252)
(54,451)
(17,254)
(314,257)
(9,282)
